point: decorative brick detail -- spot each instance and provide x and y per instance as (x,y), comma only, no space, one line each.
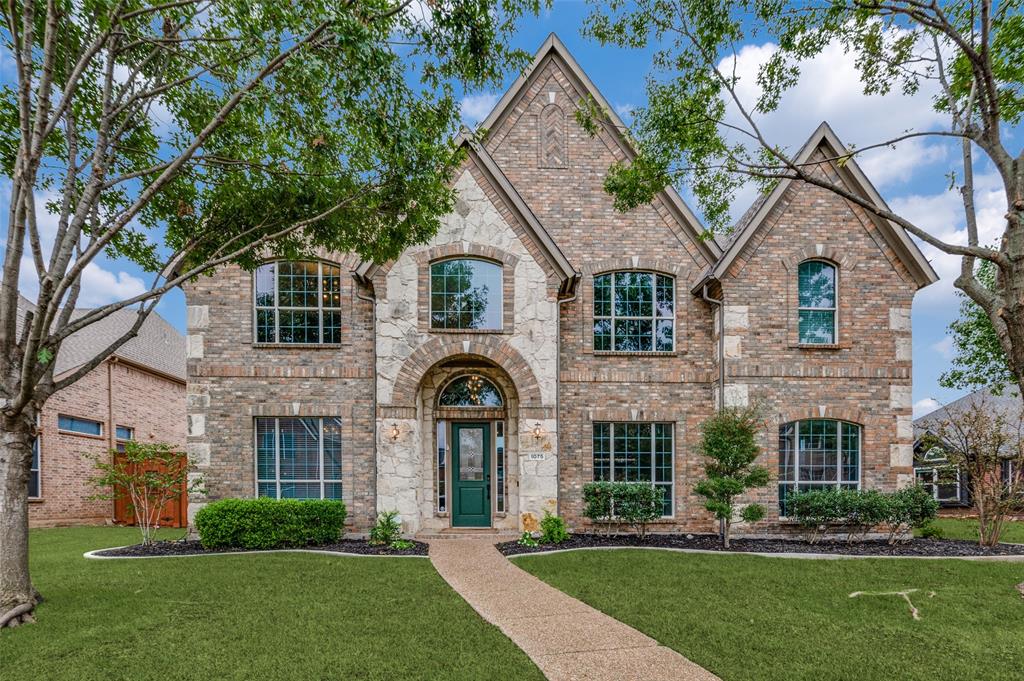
(552,137)
(507,262)
(839,412)
(438,349)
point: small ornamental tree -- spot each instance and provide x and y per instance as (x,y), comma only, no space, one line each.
(987,443)
(729,442)
(147,476)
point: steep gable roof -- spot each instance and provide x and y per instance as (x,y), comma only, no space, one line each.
(896,237)
(554,49)
(158,346)
(563,269)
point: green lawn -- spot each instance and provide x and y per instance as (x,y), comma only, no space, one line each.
(274,616)
(748,617)
(965,528)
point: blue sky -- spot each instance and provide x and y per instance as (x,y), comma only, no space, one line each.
(912,177)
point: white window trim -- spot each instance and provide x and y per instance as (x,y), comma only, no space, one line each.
(611,456)
(654,319)
(430,295)
(934,470)
(839,482)
(320,309)
(277,458)
(131,433)
(834,310)
(37,444)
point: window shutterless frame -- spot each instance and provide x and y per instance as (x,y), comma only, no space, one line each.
(605,333)
(500,302)
(277,482)
(79,426)
(834,309)
(321,309)
(795,459)
(659,427)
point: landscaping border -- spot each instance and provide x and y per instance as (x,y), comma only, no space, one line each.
(1010,558)
(94,554)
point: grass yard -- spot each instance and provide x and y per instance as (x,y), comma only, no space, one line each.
(274,616)
(747,617)
(966,528)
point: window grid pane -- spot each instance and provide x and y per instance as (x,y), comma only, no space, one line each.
(816,292)
(298,303)
(636,452)
(298,458)
(818,454)
(634,312)
(465,294)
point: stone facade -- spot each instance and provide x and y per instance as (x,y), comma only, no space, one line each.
(531,200)
(115,393)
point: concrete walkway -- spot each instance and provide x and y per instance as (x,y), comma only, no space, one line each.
(566,638)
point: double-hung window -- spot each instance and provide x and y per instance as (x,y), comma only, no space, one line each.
(816,282)
(298,302)
(636,452)
(818,454)
(634,312)
(298,458)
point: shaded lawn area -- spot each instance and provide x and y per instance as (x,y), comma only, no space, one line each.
(748,617)
(274,616)
(967,528)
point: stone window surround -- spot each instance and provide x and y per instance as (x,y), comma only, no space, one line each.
(842,262)
(322,256)
(638,415)
(507,262)
(595,268)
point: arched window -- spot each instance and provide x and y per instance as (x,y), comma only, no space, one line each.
(470,391)
(634,312)
(465,293)
(816,454)
(298,302)
(817,302)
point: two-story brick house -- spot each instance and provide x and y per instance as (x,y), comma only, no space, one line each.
(541,340)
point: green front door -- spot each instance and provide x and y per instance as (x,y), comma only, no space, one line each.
(471,474)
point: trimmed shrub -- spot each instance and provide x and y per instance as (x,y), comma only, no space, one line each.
(269,523)
(636,504)
(815,510)
(909,509)
(552,529)
(597,502)
(387,530)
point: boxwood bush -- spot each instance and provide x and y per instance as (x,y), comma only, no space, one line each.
(269,523)
(857,512)
(632,503)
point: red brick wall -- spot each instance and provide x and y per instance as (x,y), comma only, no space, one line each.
(153,405)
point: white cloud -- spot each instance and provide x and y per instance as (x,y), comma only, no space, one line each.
(100,286)
(419,11)
(925,406)
(942,215)
(944,347)
(625,110)
(897,164)
(475,108)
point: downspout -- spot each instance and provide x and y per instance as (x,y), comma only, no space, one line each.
(373,306)
(558,394)
(111,428)
(721,343)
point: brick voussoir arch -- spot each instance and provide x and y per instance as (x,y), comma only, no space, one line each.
(637,262)
(492,348)
(837,413)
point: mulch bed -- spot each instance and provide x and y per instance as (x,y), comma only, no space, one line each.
(186,547)
(938,548)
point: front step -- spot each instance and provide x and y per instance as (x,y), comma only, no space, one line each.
(468,533)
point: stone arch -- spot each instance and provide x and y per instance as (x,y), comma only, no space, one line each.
(490,347)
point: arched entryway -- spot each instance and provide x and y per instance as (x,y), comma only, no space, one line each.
(470,412)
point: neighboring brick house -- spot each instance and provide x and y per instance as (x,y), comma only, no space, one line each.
(541,340)
(138,393)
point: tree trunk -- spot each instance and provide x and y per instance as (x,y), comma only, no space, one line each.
(726,527)
(16,590)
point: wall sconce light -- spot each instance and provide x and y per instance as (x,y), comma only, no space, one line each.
(538,431)
(395,432)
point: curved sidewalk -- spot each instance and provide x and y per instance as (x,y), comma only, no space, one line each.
(566,638)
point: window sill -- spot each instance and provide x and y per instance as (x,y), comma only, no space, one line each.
(482,331)
(36,500)
(85,435)
(302,346)
(820,346)
(636,353)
